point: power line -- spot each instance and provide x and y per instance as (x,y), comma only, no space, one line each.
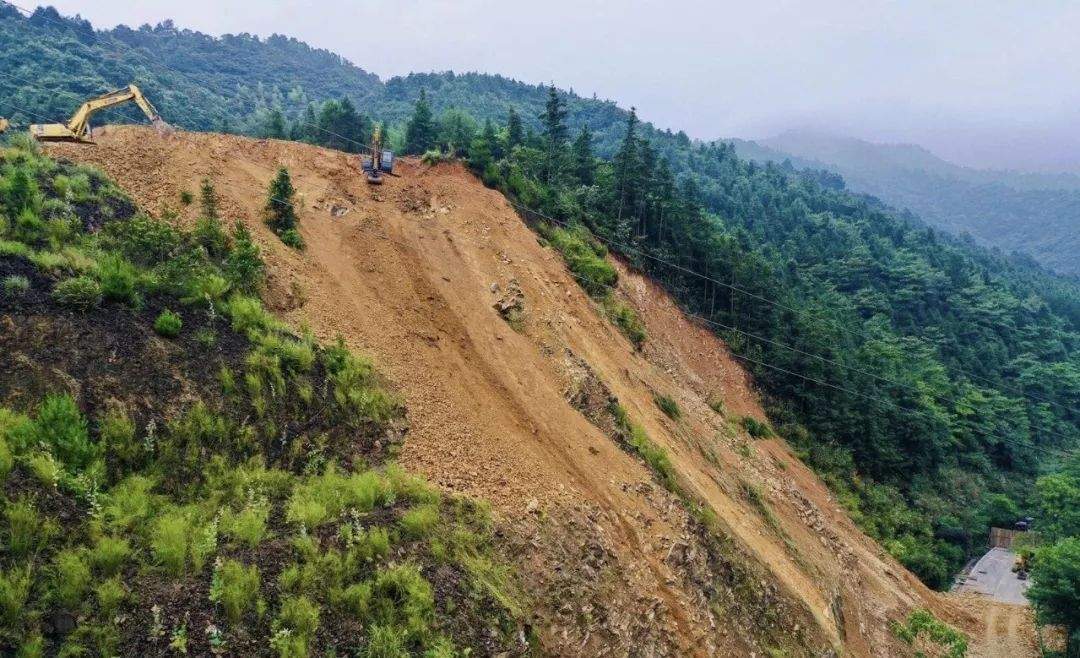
(631,249)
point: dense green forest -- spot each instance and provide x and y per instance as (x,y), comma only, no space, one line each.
(929,380)
(1034,214)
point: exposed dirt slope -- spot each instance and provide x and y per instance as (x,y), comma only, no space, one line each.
(409,273)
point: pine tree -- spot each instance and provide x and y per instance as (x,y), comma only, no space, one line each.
(584,162)
(275,125)
(515,132)
(420,133)
(555,135)
(208,199)
(492,139)
(626,168)
(280,213)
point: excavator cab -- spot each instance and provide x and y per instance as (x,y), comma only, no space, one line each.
(77,129)
(379,162)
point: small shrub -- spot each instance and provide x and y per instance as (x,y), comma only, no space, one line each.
(71,578)
(668,405)
(716,403)
(168,324)
(305,509)
(15,285)
(299,614)
(401,596)
(755,428)
(186,197)
(387,642)
(420,521)
(627,320)
(206,337)
(433,157)
(208,288)
(169,541)
(236,588)
(80,293)
(6,458)
(109,554)
(355,599)
(142,239)
(129,503)
(14,591)
(292,238)
(61,426)
(116,432)
(110,594)
(28,532)
(44,467)
(923,623)
(244,266)
(118,279)
(247,526)
(369,545)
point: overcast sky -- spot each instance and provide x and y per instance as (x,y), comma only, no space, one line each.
(989,83)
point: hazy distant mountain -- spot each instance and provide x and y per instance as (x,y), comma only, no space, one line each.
(1035,214)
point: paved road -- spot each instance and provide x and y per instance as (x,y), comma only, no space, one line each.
(992,576)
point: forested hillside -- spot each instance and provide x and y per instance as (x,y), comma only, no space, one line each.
(931,381)
(1034,214)
(49,65)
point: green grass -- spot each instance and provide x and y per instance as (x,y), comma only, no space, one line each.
(923,624)
(80,293)
(168,324)
(668,405)
(15,285)
(755,428)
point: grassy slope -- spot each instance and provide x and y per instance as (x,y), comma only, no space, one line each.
(226,489)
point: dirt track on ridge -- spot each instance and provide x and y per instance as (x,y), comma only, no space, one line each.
(408,273)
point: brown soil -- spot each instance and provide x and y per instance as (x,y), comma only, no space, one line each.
(409,272)
(1007,631)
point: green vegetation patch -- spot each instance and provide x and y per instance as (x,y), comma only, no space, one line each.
(922,626)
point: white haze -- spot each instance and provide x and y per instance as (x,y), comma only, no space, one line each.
(989,83)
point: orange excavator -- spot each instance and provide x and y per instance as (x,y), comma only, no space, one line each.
(77,129)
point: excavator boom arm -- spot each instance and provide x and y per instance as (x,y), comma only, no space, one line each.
(78,127)
(79,121)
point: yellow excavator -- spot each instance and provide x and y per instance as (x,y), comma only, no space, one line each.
(78,128)
(380,161)
(4,125)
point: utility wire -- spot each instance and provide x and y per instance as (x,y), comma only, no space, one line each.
(625,248)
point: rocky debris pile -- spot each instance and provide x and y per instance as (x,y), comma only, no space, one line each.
(587,393)
(510,303)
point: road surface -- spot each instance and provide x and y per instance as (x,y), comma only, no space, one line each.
(992,576)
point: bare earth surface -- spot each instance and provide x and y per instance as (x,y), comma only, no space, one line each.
(409,272)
